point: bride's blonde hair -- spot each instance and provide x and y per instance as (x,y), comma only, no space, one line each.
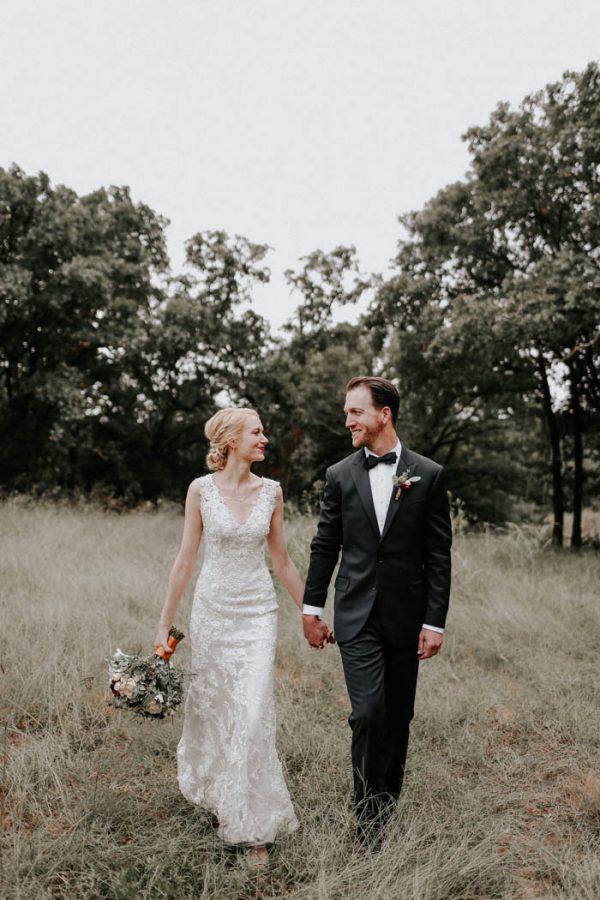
(221,429)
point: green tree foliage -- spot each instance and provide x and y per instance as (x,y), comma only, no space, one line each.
(454,407)
(108,369)
(498,280)
(78,281)
(205,342)
(302,406)
(326,280)
(300,387)
(490,324)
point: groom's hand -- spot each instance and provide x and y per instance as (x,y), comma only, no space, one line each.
(317,632)
(430,643)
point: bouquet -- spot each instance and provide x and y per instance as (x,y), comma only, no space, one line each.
(150,685)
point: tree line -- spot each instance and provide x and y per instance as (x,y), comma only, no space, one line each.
(489,322)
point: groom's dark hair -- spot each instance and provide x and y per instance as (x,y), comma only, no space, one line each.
(383,392)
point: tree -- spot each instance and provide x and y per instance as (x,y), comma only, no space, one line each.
(205,343)
(302,406)
(78,279)
(108,369)
(539,167)
(197,344)
(454,407)
(326,280)
(300,386)
(507,266)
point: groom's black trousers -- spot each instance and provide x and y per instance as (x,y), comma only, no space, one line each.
(381,678)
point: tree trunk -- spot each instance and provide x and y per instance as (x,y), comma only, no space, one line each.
(592,379)
(577,458)
(558,502)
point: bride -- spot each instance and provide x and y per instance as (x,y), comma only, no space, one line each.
(226,759)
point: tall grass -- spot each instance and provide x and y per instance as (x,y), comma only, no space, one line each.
(502,796)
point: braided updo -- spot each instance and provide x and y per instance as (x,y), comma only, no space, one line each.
(221,429)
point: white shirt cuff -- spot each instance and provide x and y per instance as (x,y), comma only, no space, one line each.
(312,610)
(318,611)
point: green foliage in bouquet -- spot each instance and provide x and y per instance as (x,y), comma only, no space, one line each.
(149,685)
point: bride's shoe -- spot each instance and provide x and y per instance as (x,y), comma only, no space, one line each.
(257,857)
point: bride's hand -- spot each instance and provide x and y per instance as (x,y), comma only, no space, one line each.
(161,639)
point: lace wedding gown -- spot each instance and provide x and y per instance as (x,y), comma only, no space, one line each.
(226,758)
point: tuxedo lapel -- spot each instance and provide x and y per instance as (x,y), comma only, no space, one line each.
(404,464)
(360,476)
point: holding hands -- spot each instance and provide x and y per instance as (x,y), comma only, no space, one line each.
(317,632)
(430,643)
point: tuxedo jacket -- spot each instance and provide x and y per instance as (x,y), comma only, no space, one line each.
(406,567)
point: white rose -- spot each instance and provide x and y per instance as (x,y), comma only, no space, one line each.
(129,687)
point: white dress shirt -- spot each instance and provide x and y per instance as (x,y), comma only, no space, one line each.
(380,477)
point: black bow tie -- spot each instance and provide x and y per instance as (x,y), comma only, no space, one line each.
(371,461)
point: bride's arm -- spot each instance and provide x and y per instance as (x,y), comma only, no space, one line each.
(184,564)
(283,565)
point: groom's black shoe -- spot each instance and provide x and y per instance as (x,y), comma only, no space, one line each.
(373,818)
(370,837)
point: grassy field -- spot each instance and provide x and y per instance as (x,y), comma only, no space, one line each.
(502,798)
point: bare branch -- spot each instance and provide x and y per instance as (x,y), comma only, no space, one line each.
(578,348)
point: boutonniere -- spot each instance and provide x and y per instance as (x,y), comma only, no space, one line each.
(404,482)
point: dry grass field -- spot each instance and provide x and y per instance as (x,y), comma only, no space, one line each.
(502,798)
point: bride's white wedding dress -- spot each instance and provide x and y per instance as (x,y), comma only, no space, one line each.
(226,759)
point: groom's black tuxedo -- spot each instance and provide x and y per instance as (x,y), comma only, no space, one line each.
(389,585)
(407,567)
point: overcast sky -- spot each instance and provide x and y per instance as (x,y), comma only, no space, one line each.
(303,124)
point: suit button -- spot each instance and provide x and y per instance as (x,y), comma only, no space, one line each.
(380,560)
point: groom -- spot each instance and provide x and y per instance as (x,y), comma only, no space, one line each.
(387,509)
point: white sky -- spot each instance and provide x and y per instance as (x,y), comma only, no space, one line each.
(303,124)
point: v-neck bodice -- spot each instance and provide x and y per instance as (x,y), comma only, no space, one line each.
(234,550)
(225,504)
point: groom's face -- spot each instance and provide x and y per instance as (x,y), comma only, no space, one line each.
(364,421)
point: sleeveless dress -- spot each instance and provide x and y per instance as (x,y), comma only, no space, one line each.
(226,759)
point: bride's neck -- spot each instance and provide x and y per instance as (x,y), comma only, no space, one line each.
(236,473)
